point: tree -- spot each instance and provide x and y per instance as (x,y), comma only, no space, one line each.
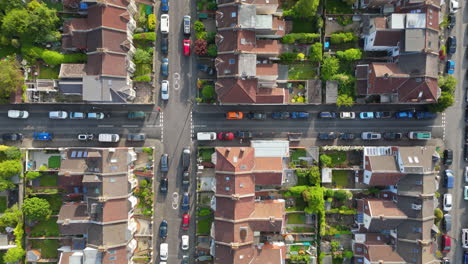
(142,56)
(212,50)
(344,100)
(349,54)
(325,160)
(288,56)
(36,208)
(348,254)
(10,168)
(16,23)
(346,84)
(329,192)
(208,91)
(14,255)
(315,52)
(151,22)
(9,153)
(314,175)
(296,191)
(342,37)
(200,47)
(445,100)
(10,217)
(447,83)
(314,198)
(10,77)
(343,195)
(31,175)
(305,8)
(288,39)
(6,184)
(330,67)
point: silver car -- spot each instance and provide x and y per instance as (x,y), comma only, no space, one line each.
(165,90)
(58,115)
(187,25)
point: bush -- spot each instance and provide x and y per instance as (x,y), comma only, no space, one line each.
(300,37)
(31,175)
(31,53)
(201,35)
(330,67)
(349,54)
(445,100)
(325,160)
(210,37)
(344,100)
(212,6)
(148,36)
(212,50)
(142,56)
(74,58)
(143,78)
(151,22)
(52,57)
(438,215)
(288,56)
(342,37)
(447,83)
(198,26)
(208,91)
(343,195)
(43,168)
(200,47)
(300,56)
(296,191)
(315,52)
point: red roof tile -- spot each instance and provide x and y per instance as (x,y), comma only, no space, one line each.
(267,46)
(230,40)
(106,64)
(115,210)
(234,209)
(419,90)
(225,17)
(231,90)
(234,159)
(272,96)
(388,38)
(268,69)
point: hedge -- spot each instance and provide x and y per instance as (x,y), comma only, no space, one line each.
(151,22)
(342,37)
(144,78)
(300,37)
(149,36)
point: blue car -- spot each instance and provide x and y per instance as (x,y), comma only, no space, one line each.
(185,202)
(449,179)
(404,114)
(165,67)
(165,5)
(42,136)
(425,115)
(366,115)
(450,67)
(299,115)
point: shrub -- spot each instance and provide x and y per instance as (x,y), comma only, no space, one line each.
(75,57)
(342,37)
(330,67)
(343,195)
(200,47)
(142,56)
(349,54)
(300,56)
(43,168)
(148,36)
(208,91)
(325,160)
(212,50)
(210,37)
(31,53)
(143,78)
(438,215)
(344,100)
(300,37)
(31,175)
(148,150)
(348,254)
(52,57)
(151,22)
(445,100)
(315,52)
(287,56)
(201,35)
(212,6)
(447,83)
(198,26)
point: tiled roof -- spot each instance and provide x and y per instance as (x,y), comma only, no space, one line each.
(383,253)
(268,69)
(234,159)
(232,40)
(73,211)
(108,64)
(267,46)
(419,90)
(239,184)
(272,96)
(107,235)
(234,209)
(226,16)
(231,90)
(72,70)
(115,210)
(380,22)
(388,37)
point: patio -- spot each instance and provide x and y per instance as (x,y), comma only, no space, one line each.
(40,158)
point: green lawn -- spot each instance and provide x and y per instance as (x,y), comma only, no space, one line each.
(48,180)
(204,212)
(302,229)
(206,153)
(296,218)
(46,228)
(55,201)
(303,26)
(48,72)
(143,69)
(48,247)
(301,72)
(3,204)
(204,226)
(296,153)
(54,162)
(337,7)
(340,178)
(338,157)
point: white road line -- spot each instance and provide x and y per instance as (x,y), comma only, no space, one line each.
(161,123)
(200,126)
(191,127)
(105,125)
(175,201)
(153,126)
(130,126)
(443,125)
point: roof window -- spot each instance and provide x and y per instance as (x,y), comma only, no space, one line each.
(234,14)
(232,61)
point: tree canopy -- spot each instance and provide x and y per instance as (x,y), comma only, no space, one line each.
(330,67)
(36,208)
(10,77)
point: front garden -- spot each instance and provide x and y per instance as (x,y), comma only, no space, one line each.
(143,40)
(205,217)
(145,195)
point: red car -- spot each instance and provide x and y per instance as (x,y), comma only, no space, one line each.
(446,244)
(226,136)
(187,43)
(185,221)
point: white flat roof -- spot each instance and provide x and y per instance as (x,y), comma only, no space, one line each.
(270,148)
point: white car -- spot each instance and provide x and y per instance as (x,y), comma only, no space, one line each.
(347,115)
(85,137)
(165,90)
(464,238)
(371,136)
(96,115)
(454,6)
(165,24)
(58,115)
(465,173)
(18,114)
(185,242)
(77,115)
(447,202)
(163,251)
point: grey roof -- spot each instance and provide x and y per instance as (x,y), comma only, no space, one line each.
(97,88)
(264,22)
(415,207)
(108,235)
(416,184)
(414,39)
(72,70)
(247,64)
(415,229)
(411,64)
(247,15)
(70,86)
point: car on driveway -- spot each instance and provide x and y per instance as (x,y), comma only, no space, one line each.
(165,89)
(447,205)
(451,45)
(243,134)
(165,6)
(58,115)
(136,137)
(328,136)
(256,115)
(280,115)
(404,114)
(12,137)
(366,115)
(464,238)
(347,115)
(392,135)
(371,136)
(450,67)
(163,229)
(165,67)
(225,136)
(185,221)
(448,157)
(186,47)
(449,179)
(346,136)
(18,114)
(299,115)
(234,115)
(185,242)
(77,115)
(205,68)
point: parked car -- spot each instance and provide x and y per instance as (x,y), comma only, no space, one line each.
(205,68)
(164,162)
(450,67)
(299,115)
(243,134)
(384,114)
(447,205)
(392,135)
(464,238)
(465,258)
(77,115)
(452,21)
(346,136)
(185,242)
(58,115)
(163,185)
(465,152)
(347,115)
(280,115)
(371,136)
(206,136)
(165,6)
(85,136)
(96,115)
(366,115)
(327,115)
(225,136)
(108,137)
(446,244)
(404,114)
(185,259)
(165,67)
(454,6)
(186,47)
(164,45)
(187,25)
(256,115)
(234,115)
(465,193)
(465,173)
(328,136)
(136,137)
(43,136)
(18,114)
(466,134)
(185,221)
(185,179)
(452,43)
(448,157)
(419,135)
(425,115)
(12,137)
(165,89)
(185,206)
(186,157)
(164,251)
(165,24)
(447,223)
(449,179)
(163,229)
(136,115)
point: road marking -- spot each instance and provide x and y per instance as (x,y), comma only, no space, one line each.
(191,128)
(105,125)
(161,122)
(153,126)
(130,126)
(175,201)
(443,125)
(176,85)
(199,125)
(176,76)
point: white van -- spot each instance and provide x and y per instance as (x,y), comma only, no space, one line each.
(109,138)
(206,136)
(165,24)
(164,251)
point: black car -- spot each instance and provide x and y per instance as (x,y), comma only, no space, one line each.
(12,137)
(392,135)
(243,134)
(185,179)
(447,223)
(448,157)
(163,185)
(164,45)
(205,68)
(451,45)
(347,136)
(280,115)
(465,152)
(256,115)
(329,135)
(451,21)
(466,114)
(163,229)
(384,114)
(466,134)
